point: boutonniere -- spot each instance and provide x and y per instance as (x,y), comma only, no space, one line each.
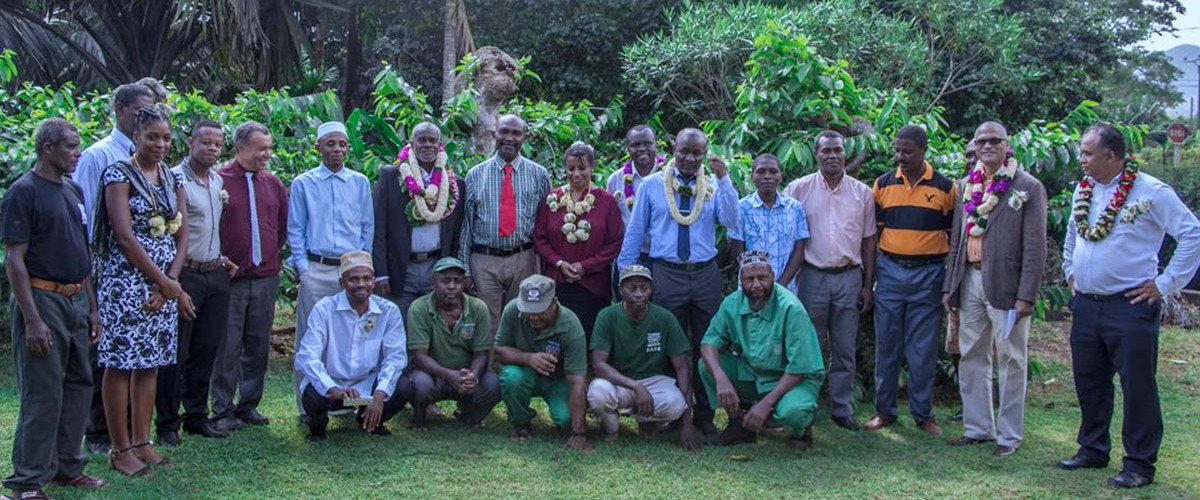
(1018,199)
(1134,210)
(368,325)
(223,195)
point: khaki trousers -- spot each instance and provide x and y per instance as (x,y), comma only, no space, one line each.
(318,282)
(609,400)
(981,329)
(498,279)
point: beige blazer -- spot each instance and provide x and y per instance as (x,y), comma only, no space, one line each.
(1014,246)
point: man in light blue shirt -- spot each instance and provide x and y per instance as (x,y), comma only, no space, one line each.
(1112,268)
(329,213)
(683,247)
(769,222)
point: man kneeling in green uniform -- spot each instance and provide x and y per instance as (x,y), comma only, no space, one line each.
(543,351)
(761,352)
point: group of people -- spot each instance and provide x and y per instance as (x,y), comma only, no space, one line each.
(142,288)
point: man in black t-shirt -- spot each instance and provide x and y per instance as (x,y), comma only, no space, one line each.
(48,265)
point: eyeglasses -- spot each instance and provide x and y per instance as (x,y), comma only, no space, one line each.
(993,141)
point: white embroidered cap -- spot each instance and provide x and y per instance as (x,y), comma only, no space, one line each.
(329,128)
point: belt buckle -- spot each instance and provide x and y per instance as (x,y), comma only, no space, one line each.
(69,290)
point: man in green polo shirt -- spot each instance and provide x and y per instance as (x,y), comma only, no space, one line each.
(448,343)
(761,358)
(543,352)
(635,345)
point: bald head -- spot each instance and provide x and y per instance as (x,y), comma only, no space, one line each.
(510,135)
(991,145)
(426,142)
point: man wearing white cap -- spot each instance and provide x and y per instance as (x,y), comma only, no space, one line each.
(354,348)
(329,213)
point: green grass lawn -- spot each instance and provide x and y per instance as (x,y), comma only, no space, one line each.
(446,462)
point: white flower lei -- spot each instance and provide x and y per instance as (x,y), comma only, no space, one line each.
(576,229)
(702,192)
(441,192)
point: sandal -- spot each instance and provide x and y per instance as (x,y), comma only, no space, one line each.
(162,461)
(112,462)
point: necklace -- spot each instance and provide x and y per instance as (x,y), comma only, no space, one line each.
(702,192)
(574,226)
(430,203)
(160,227)
(979,205)
(1104,223)
(628,190)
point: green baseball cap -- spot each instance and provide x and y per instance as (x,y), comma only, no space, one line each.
(445,263)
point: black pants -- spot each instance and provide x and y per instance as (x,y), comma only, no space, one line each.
(586,305)
(472,408)
(1110,336)
(317,406)
(693,297)
(199,340)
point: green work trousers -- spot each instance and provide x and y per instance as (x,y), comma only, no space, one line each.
(794,410)
(518,386)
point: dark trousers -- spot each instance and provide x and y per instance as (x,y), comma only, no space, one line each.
(693,297)
(908,316)
(586,305)
(55,389)
(97,427)
(199,339)
(472,408)
(317,406)
(1110,336)
(241,361)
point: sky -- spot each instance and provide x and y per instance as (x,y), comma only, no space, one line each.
(1189,19)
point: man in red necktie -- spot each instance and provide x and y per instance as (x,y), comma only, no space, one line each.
(502,197)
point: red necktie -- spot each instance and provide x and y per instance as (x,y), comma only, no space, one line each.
(508,204)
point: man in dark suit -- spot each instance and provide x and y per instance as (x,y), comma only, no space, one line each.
(997,255)
(412,232)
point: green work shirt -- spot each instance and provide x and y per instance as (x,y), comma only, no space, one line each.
(777,339)
(565,335)
(451,349)
(643,348)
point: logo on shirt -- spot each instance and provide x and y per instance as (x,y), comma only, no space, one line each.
(929,197)
(82,213)
(552,347)
(654,342)
(468,331)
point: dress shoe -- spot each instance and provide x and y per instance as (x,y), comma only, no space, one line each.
(706,427)
(734,433)
(879,421)
(1129,479)
(1004,450)
(316,434)
(227,424)
(204,428)
(169,439)
(382,430)
(253,417)
(1081,461)
(931,427)
(967,440)
(846,422)
(802,443)
(99,447)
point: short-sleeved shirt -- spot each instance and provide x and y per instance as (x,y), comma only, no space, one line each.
(915,219)
(204,206)
(565,336)
(777,339)
(642,348)
(838,219)
(51,218)
(773,229)
(451,349)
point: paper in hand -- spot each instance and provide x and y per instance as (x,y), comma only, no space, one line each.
(1010,323)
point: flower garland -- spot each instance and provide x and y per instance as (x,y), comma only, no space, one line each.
(160,227)
(574,227)
(980,205)
(626,194)
(702,192)
(1083,204)
(430,203)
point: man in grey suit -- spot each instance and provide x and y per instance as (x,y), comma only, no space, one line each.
(997,254)
(410,239)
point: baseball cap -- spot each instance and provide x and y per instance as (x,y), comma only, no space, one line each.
(537,292)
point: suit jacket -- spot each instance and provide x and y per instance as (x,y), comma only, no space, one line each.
(393,233)
(1014,246)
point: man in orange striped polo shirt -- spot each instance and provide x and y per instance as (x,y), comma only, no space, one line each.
(914,206)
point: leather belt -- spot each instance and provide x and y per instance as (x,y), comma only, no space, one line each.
(202,266)
(835,270)
(686,266)
(324,260)
(64,289)
(1104,298)
(501,252)
(904,261)
(417,257)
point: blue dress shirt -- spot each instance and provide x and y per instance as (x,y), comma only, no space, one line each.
(329,214)
(111,149)
(651,216)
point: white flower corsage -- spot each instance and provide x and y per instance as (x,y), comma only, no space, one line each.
(1018,199)
(1134,210)
(368,325)
(223,195)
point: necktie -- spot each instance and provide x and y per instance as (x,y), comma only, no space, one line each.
(683,245)
(255,240)
(508,204)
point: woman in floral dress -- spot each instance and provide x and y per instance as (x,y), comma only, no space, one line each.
(137,286)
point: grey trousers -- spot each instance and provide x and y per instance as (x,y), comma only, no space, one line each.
(472,408)
(831,300)
(980,330)
(418,281)
(241,361)
(318,282)
(693,297)
(498,279)
(55,391)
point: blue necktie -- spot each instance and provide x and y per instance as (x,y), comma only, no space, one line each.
(683,245)
(255,240)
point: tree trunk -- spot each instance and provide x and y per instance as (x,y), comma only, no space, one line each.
(449,51)
(353,61)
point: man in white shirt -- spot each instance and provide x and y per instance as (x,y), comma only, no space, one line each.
(1110,258)
(354,348)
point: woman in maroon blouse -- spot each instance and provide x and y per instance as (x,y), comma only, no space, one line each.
(578,235)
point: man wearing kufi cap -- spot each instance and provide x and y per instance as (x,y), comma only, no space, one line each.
(543,352)
(449,340)
(761,358)
(354,348)
(642,363)
(329,213)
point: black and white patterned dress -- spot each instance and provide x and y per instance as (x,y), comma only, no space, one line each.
(134,339)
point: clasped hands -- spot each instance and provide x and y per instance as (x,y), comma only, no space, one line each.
(170,289)
(571,272)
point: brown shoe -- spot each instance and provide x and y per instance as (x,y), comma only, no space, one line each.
(1004,451)
(931,427)
(83,481)
(966,440)
(879,421)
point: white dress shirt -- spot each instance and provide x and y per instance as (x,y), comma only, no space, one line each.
(1128,256)
(111,149)
(342,349)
